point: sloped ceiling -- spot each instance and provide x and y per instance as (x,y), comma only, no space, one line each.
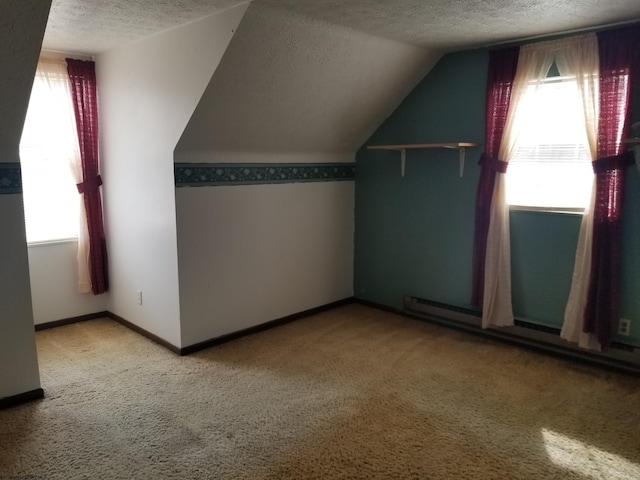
(93,26)
(459,24)
(290,87)
(316,77)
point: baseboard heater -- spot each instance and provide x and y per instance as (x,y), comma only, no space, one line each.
(619,356)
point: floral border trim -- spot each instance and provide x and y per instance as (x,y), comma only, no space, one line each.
(220,174)
(10,178)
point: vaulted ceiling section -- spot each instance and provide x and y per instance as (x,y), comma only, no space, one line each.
(293,88)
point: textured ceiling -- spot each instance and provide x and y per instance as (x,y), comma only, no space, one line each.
(454,24)
(93,26)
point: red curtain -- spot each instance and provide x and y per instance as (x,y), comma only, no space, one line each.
(502,71)
(619,60)
(85,102)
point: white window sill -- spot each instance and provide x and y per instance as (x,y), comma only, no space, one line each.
(562,210)
(57,241)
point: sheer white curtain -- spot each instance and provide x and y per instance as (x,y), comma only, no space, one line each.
(497,307)
(52,74)
(497,310)
(575,58)
(583,61)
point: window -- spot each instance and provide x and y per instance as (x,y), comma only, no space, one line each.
(551,168)
(51,199)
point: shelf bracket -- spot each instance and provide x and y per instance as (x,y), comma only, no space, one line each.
(403,158)
(462,151)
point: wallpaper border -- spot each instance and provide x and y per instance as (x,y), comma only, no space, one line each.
(222,174)
(10,178)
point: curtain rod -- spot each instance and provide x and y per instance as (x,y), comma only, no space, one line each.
(565,32)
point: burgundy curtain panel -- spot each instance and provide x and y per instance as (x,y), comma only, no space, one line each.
(619,60)
(502,71)
(85,102)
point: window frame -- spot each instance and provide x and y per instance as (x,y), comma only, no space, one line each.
(554,79)
(73,216)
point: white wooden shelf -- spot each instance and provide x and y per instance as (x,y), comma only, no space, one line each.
(460,146)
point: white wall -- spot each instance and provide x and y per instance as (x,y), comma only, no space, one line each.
(18,359)
(22,24)
(148,91)
(289,89)
(254,253)
(54,293)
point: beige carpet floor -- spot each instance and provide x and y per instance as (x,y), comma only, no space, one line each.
(351,393)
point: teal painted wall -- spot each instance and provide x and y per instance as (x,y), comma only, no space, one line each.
(414,234)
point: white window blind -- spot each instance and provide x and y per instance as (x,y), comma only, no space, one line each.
(551,167)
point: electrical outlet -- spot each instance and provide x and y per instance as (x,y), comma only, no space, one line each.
(624,327)
(139,297)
